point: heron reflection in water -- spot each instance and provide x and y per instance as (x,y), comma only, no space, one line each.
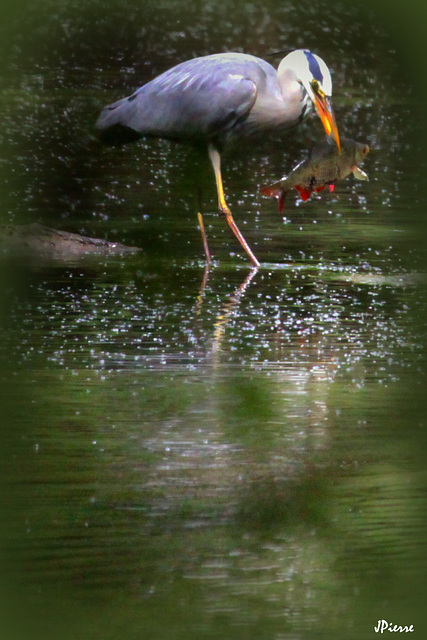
(218,98)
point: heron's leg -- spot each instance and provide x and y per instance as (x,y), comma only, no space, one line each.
(215,159)
(202,225)
(204,238)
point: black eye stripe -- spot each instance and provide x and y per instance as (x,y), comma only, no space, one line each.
(313,65)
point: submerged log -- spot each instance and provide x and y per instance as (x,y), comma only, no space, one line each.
(38,241)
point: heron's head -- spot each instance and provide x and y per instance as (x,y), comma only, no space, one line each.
(313,74)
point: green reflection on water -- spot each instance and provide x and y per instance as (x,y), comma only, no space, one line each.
(219,516)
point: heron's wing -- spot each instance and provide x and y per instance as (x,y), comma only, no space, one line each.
(192,106)
(230,103)
(193,100)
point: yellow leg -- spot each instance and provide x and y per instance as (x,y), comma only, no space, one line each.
(215,159)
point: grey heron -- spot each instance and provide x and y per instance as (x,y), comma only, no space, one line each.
(218,98)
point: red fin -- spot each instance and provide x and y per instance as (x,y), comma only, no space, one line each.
(275,193)
(270,191)
(319,189)
(331,187)
(304,193)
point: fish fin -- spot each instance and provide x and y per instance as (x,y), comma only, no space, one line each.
(282,197)
(275,192)
(272,190)
(319,189)
(304,193)
(331,188)
(359,174)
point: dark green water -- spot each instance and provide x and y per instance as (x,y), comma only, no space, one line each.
(230,454)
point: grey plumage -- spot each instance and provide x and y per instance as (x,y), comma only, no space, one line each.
(212,98)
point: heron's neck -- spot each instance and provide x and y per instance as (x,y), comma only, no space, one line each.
(295,97)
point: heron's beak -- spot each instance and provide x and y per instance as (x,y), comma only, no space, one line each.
(323,106)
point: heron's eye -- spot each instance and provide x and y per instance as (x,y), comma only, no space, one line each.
(315,85)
